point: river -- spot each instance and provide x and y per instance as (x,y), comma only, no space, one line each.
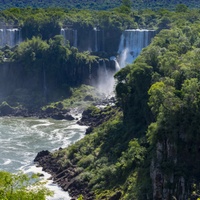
(22,138)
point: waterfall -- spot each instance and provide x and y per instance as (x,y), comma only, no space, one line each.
(117,66)
(10,37)
(95,39)
(98,40)
(85,40)
(69,35)
(105,75)
(104,78)
(131,44)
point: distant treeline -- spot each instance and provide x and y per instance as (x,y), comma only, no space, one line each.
(97,4)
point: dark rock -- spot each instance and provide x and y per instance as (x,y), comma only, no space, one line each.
(59,105)
(58,116)
(89,130)
(50,110)
(65,177)
(41,154)
(61,116)
(41,175)
(69,117)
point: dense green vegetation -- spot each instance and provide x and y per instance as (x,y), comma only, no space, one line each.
(149,149)
(42,69)
(21,186)
(97,4)
(46,67)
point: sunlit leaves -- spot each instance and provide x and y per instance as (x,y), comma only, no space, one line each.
(31,50)
(163,96)
(21,186)
(191,92)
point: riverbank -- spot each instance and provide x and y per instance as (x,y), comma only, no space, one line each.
(67,176)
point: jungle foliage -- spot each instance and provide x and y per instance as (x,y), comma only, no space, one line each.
(158,96)
(21,186)
(97,4)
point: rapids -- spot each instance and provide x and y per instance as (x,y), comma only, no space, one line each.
(22,138)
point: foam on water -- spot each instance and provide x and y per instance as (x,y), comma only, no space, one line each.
(59,194)
(22,138)
(6,162)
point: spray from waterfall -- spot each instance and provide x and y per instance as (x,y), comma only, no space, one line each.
(106,81)
(131,44)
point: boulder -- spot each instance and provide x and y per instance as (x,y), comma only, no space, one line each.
(41,154)
(60,116)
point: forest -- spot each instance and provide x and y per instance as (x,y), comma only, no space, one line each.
(149,147)
(97,4)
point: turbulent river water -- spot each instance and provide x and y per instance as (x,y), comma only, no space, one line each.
(22,138)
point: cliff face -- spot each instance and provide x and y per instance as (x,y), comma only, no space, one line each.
(174,169)
(159,95)
(93,39)
(14,76)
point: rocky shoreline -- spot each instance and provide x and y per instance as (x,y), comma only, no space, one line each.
(55,113)
(67,177)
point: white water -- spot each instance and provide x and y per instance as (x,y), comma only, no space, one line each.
(22,138)
(69,35)
(131,44)
(10,37)
(105,82)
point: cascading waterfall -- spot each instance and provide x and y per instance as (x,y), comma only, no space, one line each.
(10,37)
(117,66)
(98,40)
(69,35)
(105,78)
(131,44)
(89,40)
(95,39)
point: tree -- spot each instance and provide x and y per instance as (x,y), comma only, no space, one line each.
(21,186)
(126,6)
(181,8)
